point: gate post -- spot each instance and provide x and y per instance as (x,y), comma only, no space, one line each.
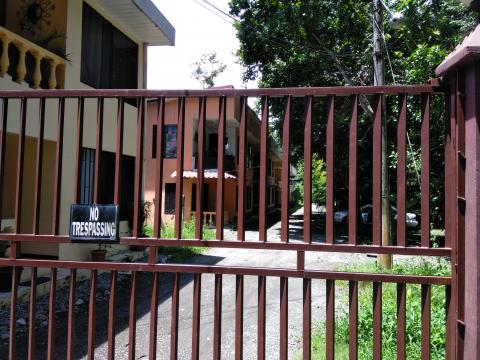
(463,66)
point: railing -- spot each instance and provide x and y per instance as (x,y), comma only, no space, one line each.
(326,99)
(209,217)
(39,54)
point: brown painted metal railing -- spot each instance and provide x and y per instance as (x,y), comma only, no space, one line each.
(140,97)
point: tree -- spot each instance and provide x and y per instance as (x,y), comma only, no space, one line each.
(328,43)
(207,69)
(319,185)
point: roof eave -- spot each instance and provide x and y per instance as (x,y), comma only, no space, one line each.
(158,19)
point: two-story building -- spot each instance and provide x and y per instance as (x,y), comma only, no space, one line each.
(72,44)
(231,161)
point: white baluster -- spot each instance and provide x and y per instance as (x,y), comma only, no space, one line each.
(4,61)
(37,74)
(22,67)
(52,83)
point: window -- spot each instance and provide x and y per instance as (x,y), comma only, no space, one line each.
(249,200)
(170,198)
(109,58)
(249,157)
(154,141)
(271,196)
(86,176)
(170,141)
(204,196)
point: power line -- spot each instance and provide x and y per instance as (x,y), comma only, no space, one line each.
(213,12)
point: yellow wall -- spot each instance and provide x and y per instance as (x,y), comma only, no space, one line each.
(67,18)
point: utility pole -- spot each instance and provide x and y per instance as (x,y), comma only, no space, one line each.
(379,79)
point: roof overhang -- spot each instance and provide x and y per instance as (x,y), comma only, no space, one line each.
(467,51)
(143,19)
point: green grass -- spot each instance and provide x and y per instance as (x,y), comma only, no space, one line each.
(389,295)
(181,253)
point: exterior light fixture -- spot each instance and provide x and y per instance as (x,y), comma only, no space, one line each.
(396,18)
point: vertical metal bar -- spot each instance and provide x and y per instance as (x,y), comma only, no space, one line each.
(119,151)
(51,315)
(132,320)
(197,294)
(202,113)
(330,320)
(159,167)
(13,315)
(450,218)
(112,304)
(401,171)
(262,213)
(242,165)
(91,316)
(353,320)
(307,318)
(217,319)
(220,167)
(307,173)
(425,175)
(460,212)
(3,145)
(286,169)
(330,171)
(352,173)
(174,323)
(38,167)
(283,318)
(377,172)
(78,155)
(401,320)
(152,348)
(262,302)
(377,320)
(137,201)
(426,288)
(58,167)
(239,286)
(71,315)
(179,183)
(449,322)
(20,160)
(98,151)
(31,314)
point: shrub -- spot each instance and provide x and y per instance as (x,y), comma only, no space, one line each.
(181,253)
(389,317)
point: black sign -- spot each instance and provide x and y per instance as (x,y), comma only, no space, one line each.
(94,223)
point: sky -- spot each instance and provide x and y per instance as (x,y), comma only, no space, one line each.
(198,31)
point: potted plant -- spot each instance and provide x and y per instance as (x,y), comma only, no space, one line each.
(100,253)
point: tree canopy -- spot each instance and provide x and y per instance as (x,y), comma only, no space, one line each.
(329,43)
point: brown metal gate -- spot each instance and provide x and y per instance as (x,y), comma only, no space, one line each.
(405,98)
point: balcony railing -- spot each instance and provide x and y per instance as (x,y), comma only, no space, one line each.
(39,54)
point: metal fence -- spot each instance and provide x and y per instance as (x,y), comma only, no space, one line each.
(358,96)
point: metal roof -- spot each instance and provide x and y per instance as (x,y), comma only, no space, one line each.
(207,174)
(143,19)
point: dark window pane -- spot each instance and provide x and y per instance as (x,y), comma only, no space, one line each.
(109,58)
(154,141)
(170,198)
(86,176)
(170,141)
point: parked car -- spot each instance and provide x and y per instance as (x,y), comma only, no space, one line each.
(366,212)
